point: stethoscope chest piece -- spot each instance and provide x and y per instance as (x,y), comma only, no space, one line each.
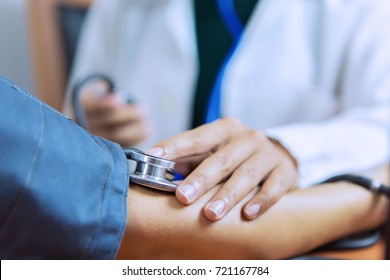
(150,171)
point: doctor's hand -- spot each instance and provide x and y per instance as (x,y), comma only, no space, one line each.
(241,158)
(111,117)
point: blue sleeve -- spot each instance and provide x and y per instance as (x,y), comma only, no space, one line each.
(62,190)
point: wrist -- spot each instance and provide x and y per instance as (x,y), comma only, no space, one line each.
(285,152)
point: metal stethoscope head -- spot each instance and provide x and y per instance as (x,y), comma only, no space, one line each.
(150,171)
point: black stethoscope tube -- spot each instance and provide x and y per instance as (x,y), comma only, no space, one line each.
(364,182)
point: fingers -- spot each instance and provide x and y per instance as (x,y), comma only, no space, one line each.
(126,125)
(109,116)
(95,97)
(97,106)
(186,165)
(242,157)
(198,141)
(243,180)
(279,182)
(120,115)
(214,169)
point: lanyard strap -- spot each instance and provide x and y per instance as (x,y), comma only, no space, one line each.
(235,27)
(230,17)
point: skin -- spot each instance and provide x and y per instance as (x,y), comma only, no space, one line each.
(109,116)
(242,158)
(225,150)
(160,227)
(222,159)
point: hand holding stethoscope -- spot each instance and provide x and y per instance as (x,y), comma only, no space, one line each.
(227,152)
(222,151)
(108,112)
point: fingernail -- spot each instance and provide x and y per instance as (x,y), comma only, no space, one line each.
(215,209)
(186,193)
(156,151)
(253,210)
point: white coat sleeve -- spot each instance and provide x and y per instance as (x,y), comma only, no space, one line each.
(358,137)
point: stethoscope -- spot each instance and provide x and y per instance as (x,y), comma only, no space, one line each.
(150,171)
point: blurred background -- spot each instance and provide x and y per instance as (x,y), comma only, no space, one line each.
(15,60)
(38,41)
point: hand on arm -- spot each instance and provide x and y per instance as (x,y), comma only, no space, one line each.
(111,117)
(242,158)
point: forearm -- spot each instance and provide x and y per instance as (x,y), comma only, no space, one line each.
(160,227)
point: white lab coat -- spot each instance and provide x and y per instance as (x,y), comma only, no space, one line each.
(314,74)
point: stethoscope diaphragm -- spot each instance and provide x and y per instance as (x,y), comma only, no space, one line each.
(150,171)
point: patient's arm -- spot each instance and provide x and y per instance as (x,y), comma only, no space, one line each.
(161,227)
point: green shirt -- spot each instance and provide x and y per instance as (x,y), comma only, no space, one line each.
(214,42)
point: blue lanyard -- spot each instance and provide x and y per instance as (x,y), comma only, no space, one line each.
(233,23)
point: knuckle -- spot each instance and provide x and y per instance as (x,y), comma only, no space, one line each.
(270,197)
(222,161)
(202,179)
(248,171)
(232,195)
(256,135)
(288,173)
(170,147)
(196,144)
(231,122)
(292,180)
